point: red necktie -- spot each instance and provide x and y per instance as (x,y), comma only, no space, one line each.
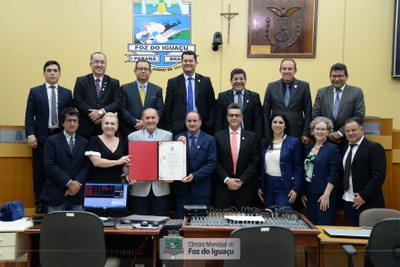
(234,150)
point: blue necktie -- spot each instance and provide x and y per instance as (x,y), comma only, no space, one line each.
(97,83)
(287,95)
(190,95)
(192,146)
(335,110)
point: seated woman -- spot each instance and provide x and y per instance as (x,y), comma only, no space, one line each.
(108,153)
(322,166)
(281,176)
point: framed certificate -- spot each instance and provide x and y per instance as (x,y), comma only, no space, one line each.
(171,160)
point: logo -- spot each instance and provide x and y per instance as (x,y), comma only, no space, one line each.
(161,32)
(285,29)
(173,245)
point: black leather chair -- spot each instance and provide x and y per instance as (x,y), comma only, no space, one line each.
(264,246)
(383,247)
(73,239)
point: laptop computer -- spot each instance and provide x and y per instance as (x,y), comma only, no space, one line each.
(107,200)
(348,233)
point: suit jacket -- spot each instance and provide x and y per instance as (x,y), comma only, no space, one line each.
(131,104)
(351,106)
(85,98)
(253,119)
(291,165)
(247,163)
(327,165)
(299,110)
(37,110)
(142,188)
(62,165)
(201,164)
(368,171)
(176,103)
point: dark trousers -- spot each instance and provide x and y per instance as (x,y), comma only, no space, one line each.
(315,214)
(227,199)
(274,194)
(151,205)
(39,172)
(188,199)
(352,213)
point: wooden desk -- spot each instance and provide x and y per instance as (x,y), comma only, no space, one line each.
(330,248)
(304,238)
(34,234)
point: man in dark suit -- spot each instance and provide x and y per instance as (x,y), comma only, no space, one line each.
(45,103)
(131,102)
(237,163)
(95,94)
(364,172)
(291,97)
(66,165)
(187,92)
(195,188)
(249,101)
(339,102)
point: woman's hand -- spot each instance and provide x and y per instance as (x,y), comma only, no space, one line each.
(292,196)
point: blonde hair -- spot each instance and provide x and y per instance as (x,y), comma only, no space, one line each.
(110,115)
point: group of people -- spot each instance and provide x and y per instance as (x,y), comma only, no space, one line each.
(286,148)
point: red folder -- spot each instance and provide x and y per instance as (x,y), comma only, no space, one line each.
(144,160)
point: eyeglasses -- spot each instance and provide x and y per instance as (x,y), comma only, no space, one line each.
(234,115)
(142,69)
(71,120)
(340,76)
(321,129)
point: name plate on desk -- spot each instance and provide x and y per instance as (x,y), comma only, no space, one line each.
(12,136)
(372,128)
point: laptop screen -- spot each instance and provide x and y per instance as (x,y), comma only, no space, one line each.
(105,196)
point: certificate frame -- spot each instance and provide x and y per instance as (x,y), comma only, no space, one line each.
(171,160)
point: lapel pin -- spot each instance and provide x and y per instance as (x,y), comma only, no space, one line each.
(295,86)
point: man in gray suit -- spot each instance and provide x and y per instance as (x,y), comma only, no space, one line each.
(339,102)
(137,96)
(150,197)
(291,97)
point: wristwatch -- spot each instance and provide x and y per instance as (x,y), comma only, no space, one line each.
(101,112)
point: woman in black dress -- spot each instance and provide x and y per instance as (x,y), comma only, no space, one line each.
(108,153)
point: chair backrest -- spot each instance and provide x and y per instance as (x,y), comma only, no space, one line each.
(72,239)
(384,243)
(370,217)
(264,246)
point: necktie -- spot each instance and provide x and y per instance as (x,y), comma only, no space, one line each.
(287,95)
(190,95)
(53,111)
(142,94)
(234,150)
(240,99)
(347,168)
(336,104)
(192,145)
(71,144)
(97,83)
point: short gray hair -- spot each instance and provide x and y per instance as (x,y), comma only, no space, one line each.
(328,122)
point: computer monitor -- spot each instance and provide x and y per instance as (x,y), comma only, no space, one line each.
(106,199)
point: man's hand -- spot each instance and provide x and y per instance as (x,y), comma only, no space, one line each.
(234,183)
(188,179)
(139,125)
(358,201)
(94,115)
(73,188)
(305,140)
(334,137)
(32,141)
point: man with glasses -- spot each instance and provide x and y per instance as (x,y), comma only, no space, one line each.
(137,96)
(95,94)
(237,163)
(339,102)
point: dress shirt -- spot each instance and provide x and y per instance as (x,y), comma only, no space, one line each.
(349,194)
(146,135)
(238,144)
(145,87)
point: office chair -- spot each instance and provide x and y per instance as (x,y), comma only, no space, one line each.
(73,239)
(383,247)
(370,217)
(264,246)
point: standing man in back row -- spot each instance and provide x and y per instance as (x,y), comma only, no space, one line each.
(189,91)
(43,109)
(291,97)
(137,96)
(339,102)
(95,94)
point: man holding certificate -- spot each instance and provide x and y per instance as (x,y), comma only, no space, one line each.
(195,188)
(237,163)
(150,197)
